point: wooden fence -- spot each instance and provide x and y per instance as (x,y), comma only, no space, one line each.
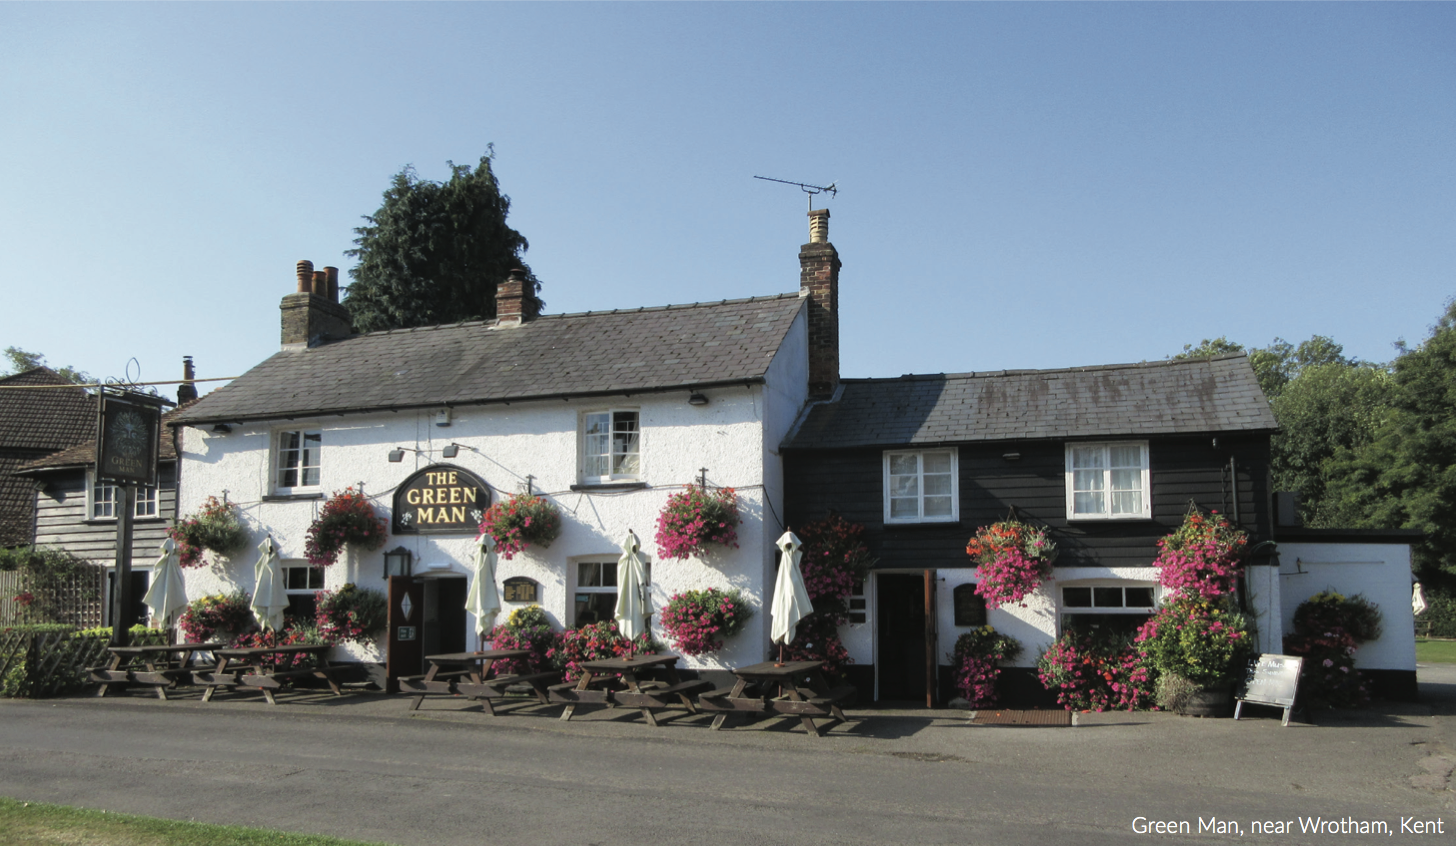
(55,661)
(76,600)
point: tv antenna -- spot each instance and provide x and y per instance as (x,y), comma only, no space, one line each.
(811,190)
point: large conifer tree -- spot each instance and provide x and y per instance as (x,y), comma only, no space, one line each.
(434,251)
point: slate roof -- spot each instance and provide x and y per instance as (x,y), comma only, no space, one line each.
(45,418)
(565,355)
(1218,394)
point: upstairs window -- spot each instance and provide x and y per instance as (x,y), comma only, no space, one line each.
(298,460)
(921,487)
(611,446)
(1108,481)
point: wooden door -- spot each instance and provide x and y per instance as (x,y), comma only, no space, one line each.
(900,629)
(405,655)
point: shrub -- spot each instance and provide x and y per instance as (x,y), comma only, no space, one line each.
(521,520)
(694,518)
(1439,618)
(977,653)
(1012,560)
(350,614)
(1090,672)
(593,642)
(834,557)
(57,586)
(1204,556)
(214,527)
(1328,628)
(1197,639)
(217,617)
(286,637)
(347,517)
(699,620)
(526,628)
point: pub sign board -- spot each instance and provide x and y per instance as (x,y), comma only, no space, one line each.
(440,499)
(128,437)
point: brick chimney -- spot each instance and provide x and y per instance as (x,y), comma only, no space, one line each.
(187,391)
(515,300)
(819,281)
(312,313)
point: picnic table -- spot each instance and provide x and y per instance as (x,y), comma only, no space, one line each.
(469,674)
(795,688)
(151,664)
(599,680)
(263,667)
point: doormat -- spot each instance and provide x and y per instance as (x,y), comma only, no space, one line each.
(1014,717)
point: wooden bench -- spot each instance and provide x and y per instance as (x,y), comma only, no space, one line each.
(567,693)
(212,679)
(273,680)
(422,684)
(652,696)
(489,690)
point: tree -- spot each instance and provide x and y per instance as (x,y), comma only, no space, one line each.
(1406,476)
(22,360)
(434,251)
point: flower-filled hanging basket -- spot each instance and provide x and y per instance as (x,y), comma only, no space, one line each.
(698,621)
(695,517)
(214,527)
(1012,560)
(347,517)
(1202,557)
(520,521)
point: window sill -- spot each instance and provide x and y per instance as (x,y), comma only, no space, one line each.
(924,524)
(610,487)
(111,521)
(1132,518)
(289,497)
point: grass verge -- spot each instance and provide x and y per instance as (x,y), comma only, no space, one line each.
(40,824)
(1435,651)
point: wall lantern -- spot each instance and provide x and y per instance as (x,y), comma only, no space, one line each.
(1011,456)
(696,398)
(450,451)
(397,562)
(221,428)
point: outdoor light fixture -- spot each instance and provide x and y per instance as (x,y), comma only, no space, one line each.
(696,398)
(397,562)
(1011,456)
(221,428)
(450,451)
(396,455)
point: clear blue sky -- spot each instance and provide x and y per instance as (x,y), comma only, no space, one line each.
(1022,186)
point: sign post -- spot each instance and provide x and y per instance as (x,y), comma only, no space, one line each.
(128,442)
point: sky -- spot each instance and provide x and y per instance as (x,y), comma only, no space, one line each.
(1020,185)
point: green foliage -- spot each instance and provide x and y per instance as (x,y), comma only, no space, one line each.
(215,526)
(434,251)
(36,823)
(1201,640)
(1439,618)
(350,613)
(22,360)
(54,580)
(527,628)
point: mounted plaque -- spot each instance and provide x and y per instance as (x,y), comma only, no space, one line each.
(521,589)
(970,607)
(128,437)
(440,499)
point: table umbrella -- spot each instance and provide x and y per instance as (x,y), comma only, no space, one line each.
(269,597)
(167,596)
(483,600)
(791,599)
(631,593)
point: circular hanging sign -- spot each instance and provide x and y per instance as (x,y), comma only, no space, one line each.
(440,499)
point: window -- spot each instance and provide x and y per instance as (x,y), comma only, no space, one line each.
(1108,481)
(300,582)
(858,610)
(104,497)
(596,591)
(298,459)
(921,487)
(611,446)
(1107,607)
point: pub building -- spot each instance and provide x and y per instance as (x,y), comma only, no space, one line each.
(607,413)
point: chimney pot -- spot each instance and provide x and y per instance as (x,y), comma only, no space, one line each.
(819,226)
(305,277)
(312,313)
(332,275)
(186,392)
(515,299)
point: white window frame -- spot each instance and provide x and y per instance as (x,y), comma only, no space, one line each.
(102,495)
(315,574)
(1121,584)
(577,587)
(1145,500)
(587,455)
(955,486)
(276,465)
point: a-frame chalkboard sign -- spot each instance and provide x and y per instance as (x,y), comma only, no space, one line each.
(1270,680)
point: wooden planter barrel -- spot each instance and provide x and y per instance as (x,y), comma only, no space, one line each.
(1213,701)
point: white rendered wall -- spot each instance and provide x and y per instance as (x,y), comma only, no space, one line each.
(504,445)
(786,390)
(1380,571)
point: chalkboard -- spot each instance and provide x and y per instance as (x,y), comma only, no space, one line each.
(1270,680)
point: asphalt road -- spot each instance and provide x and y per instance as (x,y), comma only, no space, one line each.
(364,767)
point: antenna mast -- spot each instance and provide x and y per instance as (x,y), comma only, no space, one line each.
(811,190)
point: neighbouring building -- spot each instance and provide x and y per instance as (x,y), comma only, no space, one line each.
(40,413)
